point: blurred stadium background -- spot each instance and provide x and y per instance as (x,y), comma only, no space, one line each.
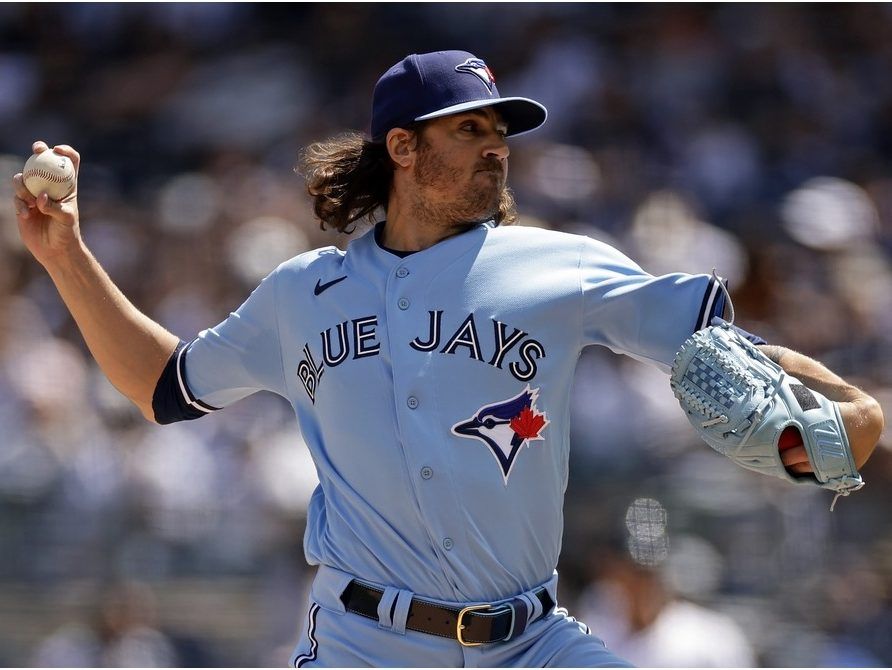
(754,139)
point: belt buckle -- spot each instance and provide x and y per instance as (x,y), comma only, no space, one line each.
(459,626)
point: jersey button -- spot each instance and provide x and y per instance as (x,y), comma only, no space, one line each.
(412,402)
(426,472)
(402,272)
(403,303)
(448,543)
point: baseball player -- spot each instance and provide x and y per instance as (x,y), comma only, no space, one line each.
(429,367)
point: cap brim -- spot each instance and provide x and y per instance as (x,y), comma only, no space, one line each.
(521,114)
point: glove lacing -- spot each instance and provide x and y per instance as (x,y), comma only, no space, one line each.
(702,402)
(694,399)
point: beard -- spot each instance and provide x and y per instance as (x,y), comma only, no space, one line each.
(457,201)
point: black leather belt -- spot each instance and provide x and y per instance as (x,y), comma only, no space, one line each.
(471,626)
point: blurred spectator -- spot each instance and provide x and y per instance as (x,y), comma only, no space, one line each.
(121,635)
(640,597)
(631,607)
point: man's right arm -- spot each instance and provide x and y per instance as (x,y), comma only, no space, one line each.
(129,347)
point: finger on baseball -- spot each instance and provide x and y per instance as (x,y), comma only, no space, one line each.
(67,150)
(39,147)
(18,184)
(49,207)
(21,207)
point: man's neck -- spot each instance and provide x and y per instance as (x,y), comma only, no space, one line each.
(413,229)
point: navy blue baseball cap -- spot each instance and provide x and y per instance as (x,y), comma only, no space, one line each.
(427,86)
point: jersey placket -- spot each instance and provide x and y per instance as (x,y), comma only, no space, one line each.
(418,416)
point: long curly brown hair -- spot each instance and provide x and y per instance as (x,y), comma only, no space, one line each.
(349,178)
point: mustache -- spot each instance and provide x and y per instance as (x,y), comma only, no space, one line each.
(491,165)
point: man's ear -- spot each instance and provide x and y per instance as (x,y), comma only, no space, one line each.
(401,146)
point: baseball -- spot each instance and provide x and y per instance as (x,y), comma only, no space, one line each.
(50,173)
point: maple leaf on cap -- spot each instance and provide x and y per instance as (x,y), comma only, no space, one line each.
(528,424)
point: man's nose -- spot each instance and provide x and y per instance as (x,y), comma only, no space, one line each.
(498,148)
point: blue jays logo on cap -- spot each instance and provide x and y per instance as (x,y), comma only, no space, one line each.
(479,69)
(506,426)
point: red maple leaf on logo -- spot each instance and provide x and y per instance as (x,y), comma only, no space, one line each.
(527,424)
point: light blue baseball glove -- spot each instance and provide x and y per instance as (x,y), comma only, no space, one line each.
(739,401)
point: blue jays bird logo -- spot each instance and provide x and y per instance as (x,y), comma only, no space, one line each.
(506,426)
(479,69)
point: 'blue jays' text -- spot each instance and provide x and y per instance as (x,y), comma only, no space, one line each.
(491,341)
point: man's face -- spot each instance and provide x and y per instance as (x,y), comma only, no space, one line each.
(461,166)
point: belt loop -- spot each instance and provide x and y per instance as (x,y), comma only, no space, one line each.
(385,605)
(401,611)
(535,606)
(520,610)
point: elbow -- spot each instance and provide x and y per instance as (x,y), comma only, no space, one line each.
(146,410)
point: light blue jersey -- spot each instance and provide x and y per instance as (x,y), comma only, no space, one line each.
(433,392)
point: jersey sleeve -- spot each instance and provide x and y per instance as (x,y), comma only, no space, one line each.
(638,314)
(238,357)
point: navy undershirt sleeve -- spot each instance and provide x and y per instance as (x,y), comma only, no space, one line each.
(718,311)
(745,334)
(172,400)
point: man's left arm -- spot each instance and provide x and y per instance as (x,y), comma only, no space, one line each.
(861,414)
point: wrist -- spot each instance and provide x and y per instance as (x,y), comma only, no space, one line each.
(773,352)
(67,260)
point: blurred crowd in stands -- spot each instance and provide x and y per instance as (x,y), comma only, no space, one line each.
(753,139)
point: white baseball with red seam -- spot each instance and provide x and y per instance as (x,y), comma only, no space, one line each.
(50,173)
